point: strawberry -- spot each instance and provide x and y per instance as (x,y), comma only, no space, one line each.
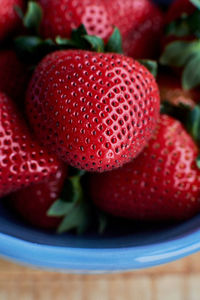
(32,203)
(13,75)
(9,20)
(172,91)
(140,23)
(23,161)
(161,184)
(178,8)
(181,42)
(61,17)
(95,111)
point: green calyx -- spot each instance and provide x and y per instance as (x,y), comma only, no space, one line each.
(193,123)
(198,161)
(193,127)
(187,56)
(196,3)
(75,211)
(151,65)
(72,207)
(186,25)
(32,18)
(33,47)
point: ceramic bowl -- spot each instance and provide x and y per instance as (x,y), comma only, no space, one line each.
(138,248)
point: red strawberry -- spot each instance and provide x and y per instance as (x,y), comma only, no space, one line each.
(13,75)
(177,8)
(9,20)
(140,23)
(22,160)
(161,184)
(60,17)
(181,42)
(172,91)
(95,111)
(32,203)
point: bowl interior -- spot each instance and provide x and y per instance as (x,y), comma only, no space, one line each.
(132,235)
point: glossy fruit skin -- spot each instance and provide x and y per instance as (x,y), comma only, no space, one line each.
(140,23)
(172,91)
(9,20)
(13,76)
(100,109)
(33,203)
(22,161)
(161,184)
(60,17)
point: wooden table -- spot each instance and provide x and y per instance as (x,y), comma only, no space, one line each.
(176,281)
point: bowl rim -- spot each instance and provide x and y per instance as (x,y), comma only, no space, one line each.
(85,260)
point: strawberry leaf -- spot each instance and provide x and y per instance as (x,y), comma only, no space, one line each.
(186,25)
(19,12)
(33,17)
(60,208)
(193,123)
(196,3)
(191,74)
(79,32)
(97,44)
(177,54)
(77,37)
(65,43)
(77,219)
(186,55)
(32,48)
(178,27)
(151,65)
(72,206)
(198,161)
(115,42)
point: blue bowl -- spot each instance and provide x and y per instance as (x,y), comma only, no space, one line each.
(144,247)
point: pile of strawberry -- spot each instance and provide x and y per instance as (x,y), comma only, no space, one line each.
(82,133)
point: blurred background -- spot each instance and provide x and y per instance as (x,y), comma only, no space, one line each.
(177,281)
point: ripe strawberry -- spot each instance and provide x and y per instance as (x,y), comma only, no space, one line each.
(61,17)
(140,23)
(95,111)
(32,203)
(9,20)
(181,41)
(161,184)
(13,75)
(172,91)
(22,160)
(177,8)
